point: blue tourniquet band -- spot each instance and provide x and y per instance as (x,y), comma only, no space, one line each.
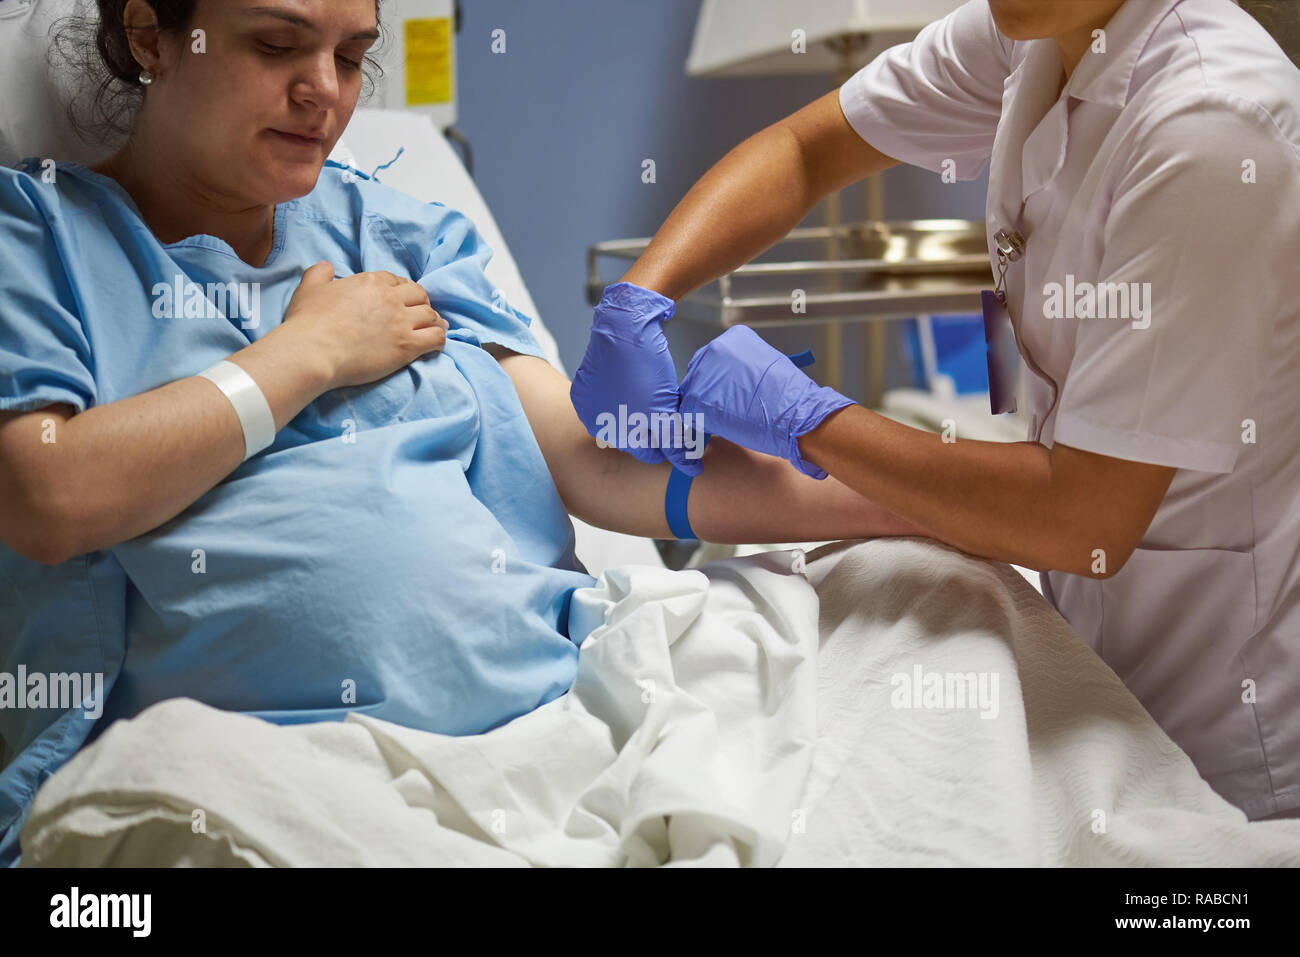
(675,499)
(803,359)
(679,490)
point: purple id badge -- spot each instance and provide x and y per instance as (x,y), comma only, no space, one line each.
(1003,354)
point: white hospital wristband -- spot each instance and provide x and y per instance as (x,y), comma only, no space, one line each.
(250,405)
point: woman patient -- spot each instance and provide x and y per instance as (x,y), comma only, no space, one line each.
(403,548)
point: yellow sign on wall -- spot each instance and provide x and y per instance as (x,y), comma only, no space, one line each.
(428,49)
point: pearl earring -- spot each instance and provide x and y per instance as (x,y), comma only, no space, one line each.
(146,78)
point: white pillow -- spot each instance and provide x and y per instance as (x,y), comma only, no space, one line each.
(34,98)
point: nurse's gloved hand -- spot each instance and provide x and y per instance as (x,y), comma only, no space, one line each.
(627,370)
(751,394)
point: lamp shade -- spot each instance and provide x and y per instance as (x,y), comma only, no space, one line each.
(753,37)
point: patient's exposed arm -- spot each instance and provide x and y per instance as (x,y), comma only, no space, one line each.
(741,497)
(74,483)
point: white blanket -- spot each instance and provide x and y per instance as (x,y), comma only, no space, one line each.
(752,712)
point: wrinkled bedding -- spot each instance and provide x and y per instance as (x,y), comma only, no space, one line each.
(777,709)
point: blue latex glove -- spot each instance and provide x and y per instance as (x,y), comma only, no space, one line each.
(628,364)
(753,395)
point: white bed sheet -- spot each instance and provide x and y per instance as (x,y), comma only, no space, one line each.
(737,714)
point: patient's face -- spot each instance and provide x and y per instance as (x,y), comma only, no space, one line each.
(287,65)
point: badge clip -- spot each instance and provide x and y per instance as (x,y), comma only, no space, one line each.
(999,336)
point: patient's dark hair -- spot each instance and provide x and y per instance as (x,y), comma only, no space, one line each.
(94,48)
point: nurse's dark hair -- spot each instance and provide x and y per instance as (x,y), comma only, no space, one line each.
(93,47)
(1281,18)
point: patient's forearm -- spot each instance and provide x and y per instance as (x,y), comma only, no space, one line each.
(741,496)
(744,496)
(72,484)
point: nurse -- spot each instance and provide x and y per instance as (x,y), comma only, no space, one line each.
(1143,156)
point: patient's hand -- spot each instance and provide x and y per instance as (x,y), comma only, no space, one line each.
(362,327)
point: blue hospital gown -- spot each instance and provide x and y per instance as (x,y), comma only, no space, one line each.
(401,543)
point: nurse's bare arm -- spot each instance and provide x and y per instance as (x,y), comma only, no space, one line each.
(741,496)
(754,195)
(74,483)
(1020,502)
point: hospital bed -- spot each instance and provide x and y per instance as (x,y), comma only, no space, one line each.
(769,709)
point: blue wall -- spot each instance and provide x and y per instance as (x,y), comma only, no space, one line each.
(587,90)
